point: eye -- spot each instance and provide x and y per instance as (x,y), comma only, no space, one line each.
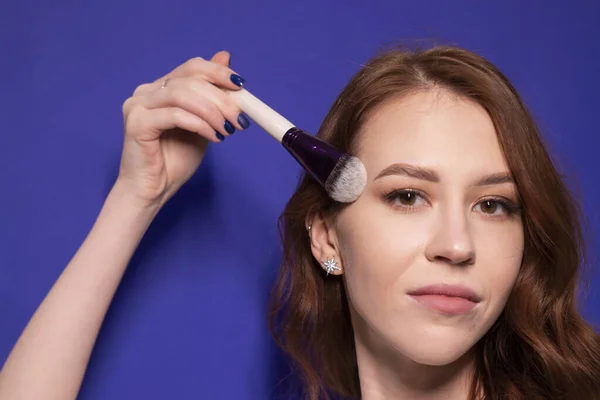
(489,206)
(496,207)
(408,199)
(405,198)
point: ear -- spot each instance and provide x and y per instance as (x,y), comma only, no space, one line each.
(323,243)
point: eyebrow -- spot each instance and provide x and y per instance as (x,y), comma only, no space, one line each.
(426,174)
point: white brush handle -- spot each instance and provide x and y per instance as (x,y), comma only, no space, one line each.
(267,118)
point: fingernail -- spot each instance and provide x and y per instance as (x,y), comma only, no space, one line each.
(229,127)
(237,80)
(220,136)
(243,120)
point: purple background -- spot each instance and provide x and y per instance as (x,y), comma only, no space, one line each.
(189,318)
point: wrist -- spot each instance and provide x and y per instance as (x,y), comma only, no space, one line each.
(121,197)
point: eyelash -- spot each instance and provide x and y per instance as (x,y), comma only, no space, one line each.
(509,207)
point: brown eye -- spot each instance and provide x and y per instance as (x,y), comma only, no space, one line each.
(407,198)
(498,207)
(489,206)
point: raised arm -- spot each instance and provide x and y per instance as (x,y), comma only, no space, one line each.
(168,125)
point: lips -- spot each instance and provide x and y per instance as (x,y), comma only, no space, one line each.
(448,299)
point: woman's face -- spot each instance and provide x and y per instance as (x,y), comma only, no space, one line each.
(432,248)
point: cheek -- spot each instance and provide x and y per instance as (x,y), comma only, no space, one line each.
(500,252)
(377,250)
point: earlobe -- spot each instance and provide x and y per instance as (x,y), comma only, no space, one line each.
(331,266)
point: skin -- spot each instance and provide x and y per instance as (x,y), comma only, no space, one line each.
(448,232)
(403,350)
(167,131)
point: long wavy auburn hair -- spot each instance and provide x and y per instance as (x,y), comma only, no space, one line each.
(540,347)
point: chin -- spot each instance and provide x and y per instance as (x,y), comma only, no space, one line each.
(436,354)
(435,347)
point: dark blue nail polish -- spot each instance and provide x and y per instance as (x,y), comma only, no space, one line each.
(220,136)
(229,127)
(237,80)
(243,120)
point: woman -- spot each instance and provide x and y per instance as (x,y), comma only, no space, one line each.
(453,276)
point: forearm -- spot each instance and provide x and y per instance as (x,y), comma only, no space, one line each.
(50,357)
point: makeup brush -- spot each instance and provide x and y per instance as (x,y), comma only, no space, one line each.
(342,176)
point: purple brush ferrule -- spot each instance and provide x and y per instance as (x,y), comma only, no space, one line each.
(316,156)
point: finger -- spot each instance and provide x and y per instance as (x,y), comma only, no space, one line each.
(152,123)
(225,103)
(222,76)
(212,72)
(202,99)
(143,89)
(218,74)
(222,57)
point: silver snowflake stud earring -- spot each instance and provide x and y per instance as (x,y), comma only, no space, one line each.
(331,265)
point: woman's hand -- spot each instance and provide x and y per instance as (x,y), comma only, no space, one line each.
(169,123)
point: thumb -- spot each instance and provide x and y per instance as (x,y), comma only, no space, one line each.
(222,57)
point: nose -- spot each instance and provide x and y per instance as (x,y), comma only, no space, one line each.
(451,241)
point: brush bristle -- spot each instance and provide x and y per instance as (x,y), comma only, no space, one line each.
(347,179)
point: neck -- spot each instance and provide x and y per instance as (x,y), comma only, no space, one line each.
(385,373)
